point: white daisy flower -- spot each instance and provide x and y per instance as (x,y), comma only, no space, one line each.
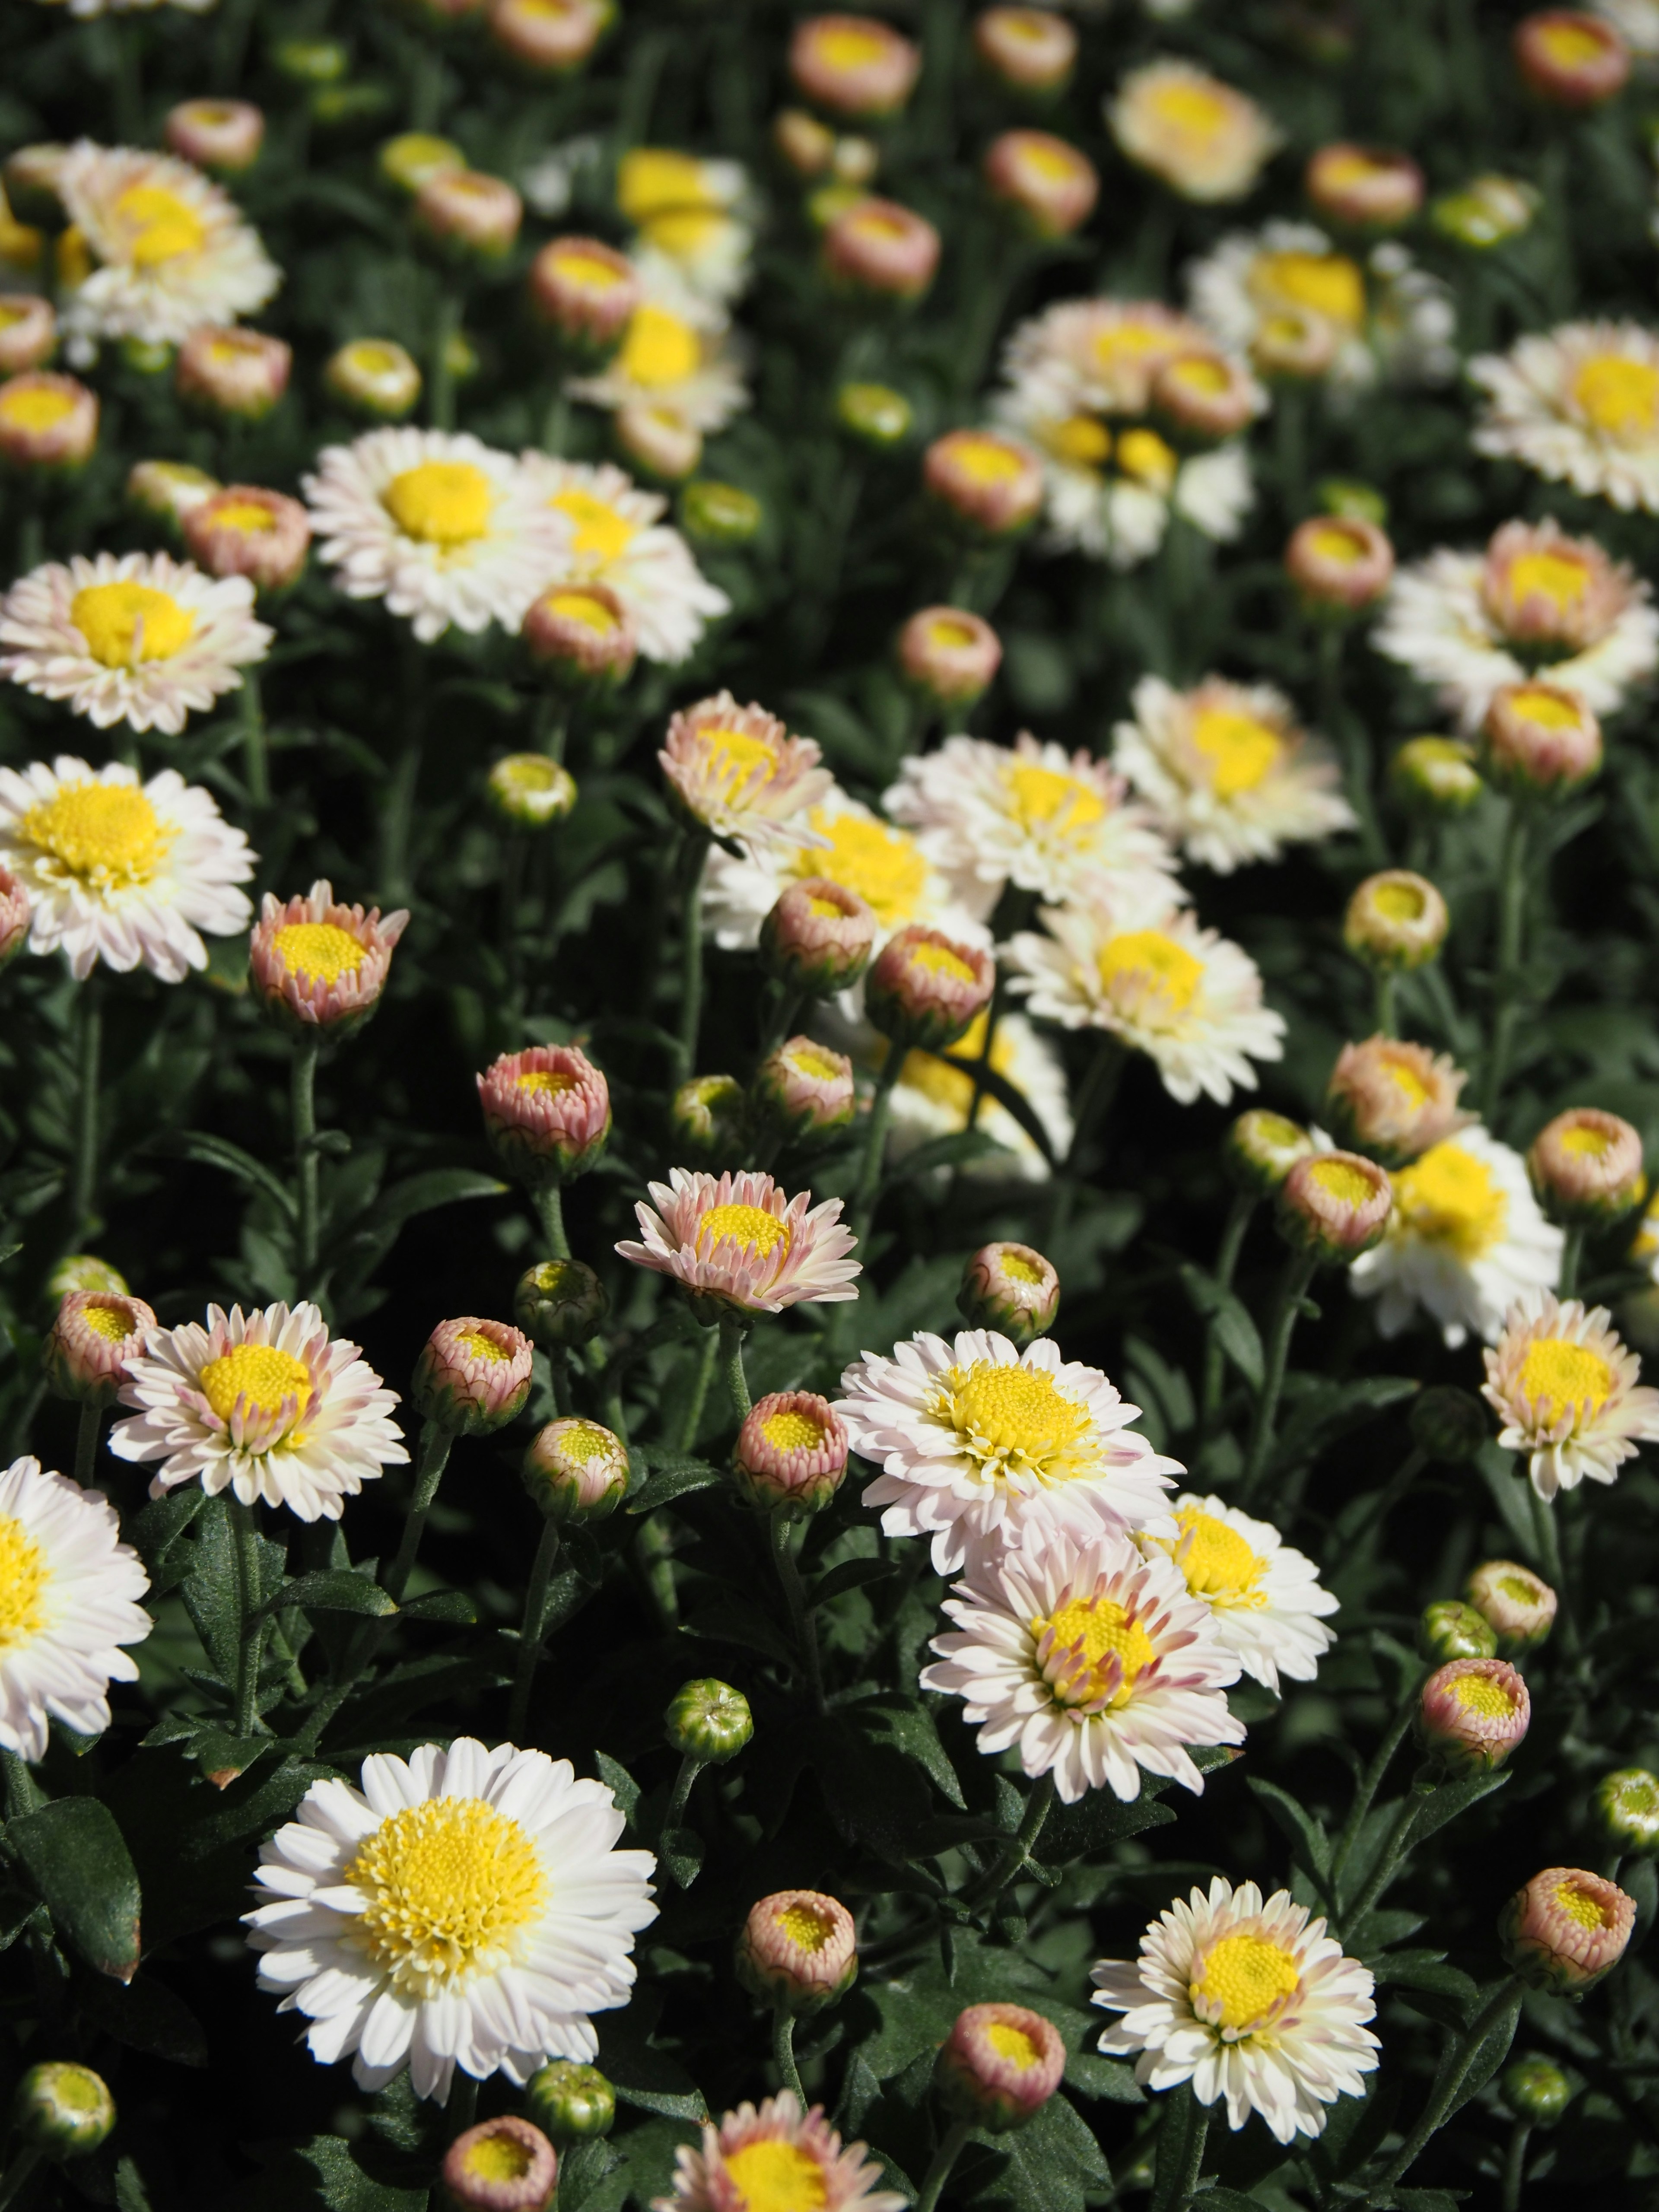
(775,2160)
(688,215)
(678,353)
(1465,1240)
(1205,139)
(1227,773)
(1144,971)
(738,1244)
(935,1095)
(1263,1595)
(69,1600)
(171,251)
(619,540)
(970,1433)
(122,872)
(1580,404)
(464,1908)
(138,638)
(264,1404)
(1105,354)
(1568,1393)
(1092,1659)
(442,528)
(1247,2000)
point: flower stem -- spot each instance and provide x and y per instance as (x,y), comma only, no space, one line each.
(86,1444)
(1292,1289)
(691,1417)
(245,1529)
(695,861)
(84,1189)
(428,1474)
(549,1207)
(938,2172)
(303,1107)
(1505,1997)
(731,1355)
(529,1634)
(1572,1252)
(800,1613)
(1392,1854)
(1511,924)
(1515,2165)
(1018,1849)
(1180,2140)
(440,372)
(875,1144)
(1226,1264)
(256,767)
(783,2052)
(1371,1780)
(1388,1011)
(690,1767)
(1347,733)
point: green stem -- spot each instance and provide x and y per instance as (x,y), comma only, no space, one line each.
(691,1418)
(398,809)
(1505,1997)
(1392,1856)
(1514,2166)
(256,767)
(1094,1097)
(83,1192)
(938,2172)
(1572,1253)
(1384,1502)
(549,1208)
(529,1634)
(1512,925)
(1292,1289)
(731,1357)
(18,2173)
(555,423)
(1387,992)
(696,860)
(1347,731)
(868,1189)
(800,1613)
(1011,1860)
(245,1528)
(1226,1264)
(783,2052)
(302,1095)
(440,375)
(1371,1780)
(779,1018)
(435,1443)
(690,1767)
(461,2106)
(86,1444)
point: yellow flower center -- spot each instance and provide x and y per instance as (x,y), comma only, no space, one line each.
(1247,1977)
(1019,1270)
(257,1375)
(317,950)
(946,1078)
(1328,285)
(758,1231)
(878,222)
(1585,1139)
(1099,1650)
(1338,542)
(35,407)
(1149,977)
(950,634)
(1562,578)
(659,349)
(734,757)
(791,1431)
(1013,2043)
(24,1574)
(1351,167)
(850,46)
(884,866)
(1087,443)
(581,607)
(940,960)
(588,271)
(1241,750)
(1482,1694)
(774,2176)
(1618,395)
(985,460)
(1144,455)
(587,1441)
(243,514)
(126,624)
(160,226)
(602,533)
(442,503)
(1406,1081)
(1582,1905)
(107,834)
(1120,343)
(819,1064)
(1398,901)
(1549,712)
(1569,45)
(1216,1561)
(1016,1419)
(1044,799)
(804,1925)
(1520,1588)
(1556,1374)
(374,357)
(1200,373)
(1046,159)
(1197,112)
(1342,1181)
(110,1323)
(477,1345)
(1450,1197)
(449,1883)
(499,2158)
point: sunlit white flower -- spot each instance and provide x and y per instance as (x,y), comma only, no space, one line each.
(1580,404)
(618,539)
(678,353)
(934,1097)
(736,1243)
(774,2160)
(688,215)
(1205,139)
(1568,1393)
(466,1908)
(738,772)
(1107,353)
(1264,1596)
(1637,22)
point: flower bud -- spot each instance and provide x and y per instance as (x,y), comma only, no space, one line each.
(473,215)
(1586,1166)
(560,1302)
(1627,1810)
(1030,49)
(949,655)
(876,245)
(472,1376)
(235,372)
(659,438)
(709,1721)
(1449,1424)
(581,634)
(1451,1630)
(1535,2091)
(406,162)
(1566,1928)
(529,791)
(991,483)
(1541,737)
(1200,398)
(569,2102)
(574,1470)
(225,135)
(1367,187)
(33,175)
(925,988)
(317,964)
(166,491)
(804,1089)
(1339,562)
(1259,1149)
(28,332)
(1519,1606)
(1488,210)
(244,531)
(1571,57)
(1435,775)
(999,2064)
(1047,181)
(798,1949)
(504,2164)
(15,912)
(95,1333)
(375,376)
(807,145)
(710,1116)
(1011,1288)
(853,65)
(586,291)
(62,2110)
(547,1111)
(85,1271)
(1395,920)
(874,413)
(1393,1099)
(555,36)
(1474,1712)
(310,61)
(46,421)
(791,1454)
(714,513)
(1334,1205)
(817,937)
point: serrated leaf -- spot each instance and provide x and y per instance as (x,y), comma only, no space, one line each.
(644,2076)
(681,1851)
(1051,2164)
(1111,2079)
(909,1727)
(449,1609)
(209,1150)
(77,1859)
(434,1187)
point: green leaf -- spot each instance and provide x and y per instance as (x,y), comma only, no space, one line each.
(130,2194)
(333,1590)
(1098,1818)
(326,2172)
(622,1786)
(159,1526)
(681,1851)
(1109,2079)
(75,1856)
(1306,1834)
(676,1477)
(146,2016)
(851,1574)
(221,1755)
(420,1193)
(1237,1333)
(644,2076)
(1333,1409)
(735,1621)
(906,1725)
(1053,2164)
(219,1152)
(1427,1971)
(1451,1798)
(449,1608)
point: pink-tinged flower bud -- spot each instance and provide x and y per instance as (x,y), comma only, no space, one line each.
(85,1271)
(1260,1149)
(560,1302)
(876,245)
(791,1454)
(710,1117)
(853,65)
(659,438)
(925,988)
(1451,1630)
(1435,776)
(999,2064)
(1053,185)
(234,372)
(1393,1099)
(804,1089)
(1566,1928)
(46,421)
(1572,58)
(1011,1288)
(472,213)
(1294,344)
(1540,737)
(574,1470)
(992,483)
(547,1111)
(1518,1605)
(798,1949)
(166,491)
(1200,397)
(95,1333)
(1030,49)
(1367,187)
(225,135)
(1339,562)
(472,1376)
(319,964)
(1474,1712)
(586,290)
(807,145)
(503,2165)
(1586,1166)
(581,634)
(1335,1206)
(529,791)
(244,531)
(818,937)
(949,654)
(374,376)
(28,332)
(709,1721)
(15,912)
(555,36)
(1627,1810)
(1395,920)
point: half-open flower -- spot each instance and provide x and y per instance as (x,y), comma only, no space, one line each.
(1568,1393)
(1472,1713)
(1199,136)
(234,371)
(586,290)
(819,937)
(804,1089)
(575,1470)
(1586,1166)
(555,36)
(854,65)
(998,2065)
(1566,1928)
(1339,561)
(15,910)
(737,771)
(876,245)
(1395,920)
(774,2157)
(581,634)
(245,530)
(992,483)
(46,421)
(1395,1099)
(547,1111)
(1571,57)
(472,1376)
(1518,1605)
(925,988)
(319,964)
(503,2165)
(1367,187)
(1030,49)
(736,1244)
(216,134)
(1010,1288)
(798,1948)
(529,791)
(1261,1148)
(28,332)
(791,1453)
(949,654)
(1052,184)
(1541,737)
(1334,1205)
(375,376)
(95,1333)
(468,212)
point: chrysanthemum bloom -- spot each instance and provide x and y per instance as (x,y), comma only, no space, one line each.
(46,421)
(471,213)
(798,1948)
(1198,135)
(1031,49)
(1395,920)
(1247,2000)
(949,654)
(581,634)
(586,290)
(791,1453)
(375,376)
(319,964)
(1202,396)
(970,1433)
(560,1302)
(1566,1928)
(1340,563)
(504,2164)
(1011,1289)
(1226,772)
(575,1470)
(853,65)
(121,871)
(555,36)
(216,134)
(530,791)
(804,1089)
(472,1376)
(818,937)
(774,2157)
(998,2065)
(1395,1099)
(735,1244)
(991,482)
(169,250)
(678,358)
(265,1404)
(1435,776)
(1368,187)
(1474,1712)
(1261,1148)
(16,911)
(1568,1393)
(1540,738)
(28,332)
(1571,57)
(688,216)
(547,1111)
(1627,1809)
(1580,404)
(245,530)
(95,1333)
(876,245)
(1451,1630)
(233,372)
(925,987)
(1333,1205)
(709,1721)
(710,1116)
(467,1908)
(72,1602)
(1586,1166)
(63,2109)
(1266,1604)
(737,771)
(1519,1605)
(1051,184)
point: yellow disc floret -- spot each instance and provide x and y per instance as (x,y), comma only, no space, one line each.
(36,407)
(24,1574)
(792,1430)
(112,1323)
(1013,2043)
(1015,1420)
(1561,578)
(1244,1980)
(126,624)
(885,866)
(807,1927)
(775,2176)
(499,2158)
(109,834)
(1618,395)
(985,460)
(318,951)
(736,759)
(1216,1561)
(759,1233)
(602,534)
(255,1375)
(477,1345)
(659,349)
(1062,806)
(1240,751)
(441,503)
(1482,1694)
(1557,1375)
(544,1082)
(1341,1179)
(1450,1197)
(1579,1903)
(1328,285)
(449,1885)
(1099,1652)
(1149,977)
(160,226)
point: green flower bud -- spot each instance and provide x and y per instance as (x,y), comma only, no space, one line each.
(708,1720)
(1435,775)
(84,1271)
(1347,497)
(64,2110)
(1627,1809)
(1260,1149)
(310,61)
(1489,210)
(1535,2091)
(1451,1630)
(719,513)
(570,2103)
(874,413)
(529,791)
(406,162)
(560,1302)
(710,1117)
(146,357)
(1449,1425)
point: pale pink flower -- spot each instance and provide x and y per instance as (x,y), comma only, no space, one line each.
(798,1946)
(586,291)
(737,2161)
(46,421)
(1475,1711)
(1571,57)
(991,480)
(15,912)
(949,654)
(1030,48)
(736,1241)
(556,37)
(1334,1205)
(504,2164)
(93,1336)
(881,246)
(1053,184)
(817,937)
(472,1375)
(1395,1099)
(1339,561)
(234,371)
(1540,737)
(737,771)
(1542,588)
(805,1088)
(245,530)
(575,1470)
(216,134)
(1566,1927)
(1586,1165)
(582,631)
(926,987)
(853,65)
(1370,187)
(1568,1393)
(28,332)
(791,1452)
(1011,1288)
(999,2063)
(547,1110)
(470,212)
(320,964)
